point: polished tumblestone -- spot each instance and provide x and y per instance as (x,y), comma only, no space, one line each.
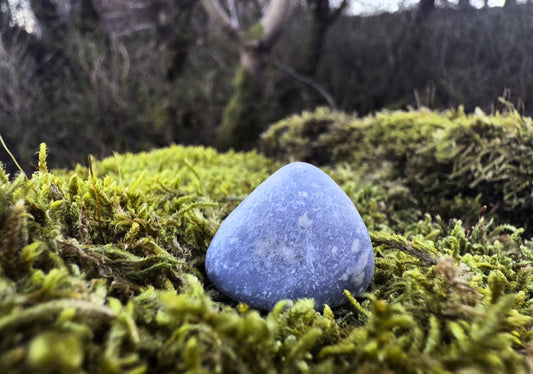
(297,235)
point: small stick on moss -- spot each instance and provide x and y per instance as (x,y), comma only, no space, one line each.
(13,157)
(97,202)
(356,304)
(414,248)
(50,309)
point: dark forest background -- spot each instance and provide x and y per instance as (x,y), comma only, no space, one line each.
(98,77)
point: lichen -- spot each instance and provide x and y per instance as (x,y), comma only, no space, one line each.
(130,295)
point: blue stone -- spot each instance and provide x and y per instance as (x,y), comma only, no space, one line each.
(297,235)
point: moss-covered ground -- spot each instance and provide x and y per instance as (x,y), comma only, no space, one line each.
(101,267)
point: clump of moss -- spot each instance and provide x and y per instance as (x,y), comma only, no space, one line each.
(78,246)
(102,271)
(449,163)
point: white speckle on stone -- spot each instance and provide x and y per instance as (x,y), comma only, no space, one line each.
(356,245)
(288,253)
(348,273)
(354,275)
(264,247)
(304,222)
(357,278)
(362,262)
(334,250)
(302,193)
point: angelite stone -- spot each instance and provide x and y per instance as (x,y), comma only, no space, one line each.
(297,235)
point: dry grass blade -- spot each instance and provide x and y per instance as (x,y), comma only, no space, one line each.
(97,202)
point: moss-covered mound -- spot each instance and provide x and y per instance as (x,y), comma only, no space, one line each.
(447,163)
(101,270)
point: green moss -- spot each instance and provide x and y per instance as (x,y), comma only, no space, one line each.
(447,296)
(448,163)
(254,32)
(240,125)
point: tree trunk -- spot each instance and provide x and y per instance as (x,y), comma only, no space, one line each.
(322,17)
(86,16)
(256,42)
(241,123)
(5,17)
(464,4)
(178,34)
(47,15)
(308,92)
(509,3)
(424,8)
(253,60)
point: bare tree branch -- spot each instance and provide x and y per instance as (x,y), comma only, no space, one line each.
(273,20)
(233,13)
(333,17)
(220,17)
(308,81)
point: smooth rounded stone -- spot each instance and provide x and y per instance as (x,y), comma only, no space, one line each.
(297,235)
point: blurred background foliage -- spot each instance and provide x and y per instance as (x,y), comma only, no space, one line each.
(93,77)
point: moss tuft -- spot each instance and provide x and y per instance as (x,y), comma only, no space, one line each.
(446,163)
(448,295)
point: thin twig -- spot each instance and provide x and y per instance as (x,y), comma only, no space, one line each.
(399,242)
(233,13)
(97,202)
(13,157)
(333,17)
(308,81)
